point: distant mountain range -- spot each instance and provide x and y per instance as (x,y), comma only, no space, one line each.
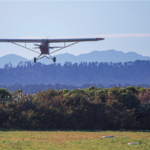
(11,58)
(99,56)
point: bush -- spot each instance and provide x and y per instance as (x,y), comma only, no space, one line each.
(79,109)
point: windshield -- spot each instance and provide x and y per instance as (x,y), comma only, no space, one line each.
(44,41)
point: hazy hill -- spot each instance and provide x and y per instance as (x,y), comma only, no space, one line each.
(14,59)
(99,56)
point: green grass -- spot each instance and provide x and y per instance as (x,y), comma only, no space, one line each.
(58,140)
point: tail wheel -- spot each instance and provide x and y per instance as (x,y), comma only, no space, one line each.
(35,59)
(54,59)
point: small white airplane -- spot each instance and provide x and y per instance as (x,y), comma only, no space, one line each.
(45,45)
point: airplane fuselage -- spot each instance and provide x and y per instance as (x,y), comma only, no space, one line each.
(44,47)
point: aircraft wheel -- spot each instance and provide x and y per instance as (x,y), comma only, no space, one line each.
(54,59)
(35,59)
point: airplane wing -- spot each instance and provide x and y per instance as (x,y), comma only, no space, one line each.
(50,40)
(74,40)
(21,40)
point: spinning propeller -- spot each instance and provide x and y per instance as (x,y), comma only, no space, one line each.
(51,47)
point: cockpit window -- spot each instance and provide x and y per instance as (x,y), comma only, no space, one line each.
(44,41)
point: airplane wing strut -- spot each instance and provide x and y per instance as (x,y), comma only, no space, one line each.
(64,47)
(25,47)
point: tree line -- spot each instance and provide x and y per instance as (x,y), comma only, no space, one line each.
(35,88)
(132,73)
(79,109)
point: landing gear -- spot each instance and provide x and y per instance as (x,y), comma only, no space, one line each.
(35,59)
(54,59)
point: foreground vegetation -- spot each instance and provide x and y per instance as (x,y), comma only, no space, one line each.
(80,109)
(73,140)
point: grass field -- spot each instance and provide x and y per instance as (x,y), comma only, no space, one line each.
(73,140)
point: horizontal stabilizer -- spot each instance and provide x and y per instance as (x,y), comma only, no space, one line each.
(55,47)
(36,44)
(35,47)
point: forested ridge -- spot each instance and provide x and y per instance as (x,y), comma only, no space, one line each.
(79,109)
(132,73)
(35,88)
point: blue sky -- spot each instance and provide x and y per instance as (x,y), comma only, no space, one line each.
(125,25)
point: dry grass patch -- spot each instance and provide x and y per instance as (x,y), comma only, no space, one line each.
(72,140)
(49,136)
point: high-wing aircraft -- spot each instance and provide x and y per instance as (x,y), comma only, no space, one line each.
(45,45)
